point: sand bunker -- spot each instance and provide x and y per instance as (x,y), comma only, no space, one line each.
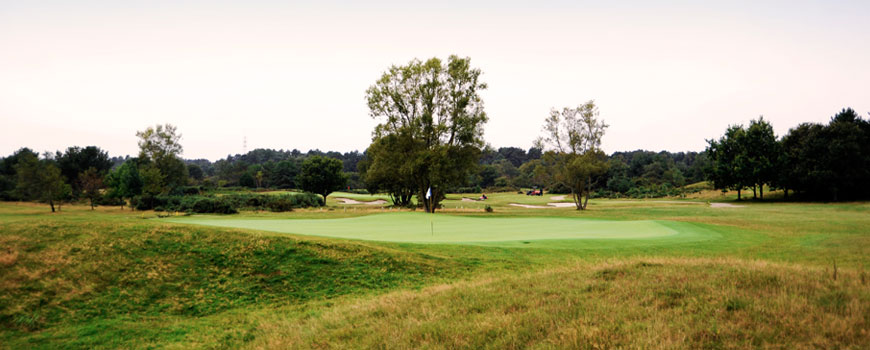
(548,206)
(725,205)
(651,201)
(557,198)
(353,201)
(464,199)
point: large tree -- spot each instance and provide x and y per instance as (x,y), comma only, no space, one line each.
(828,161)
(40,180)
(573,157)
(729,169)
(160,145)
(386,174)
(762,154)
(282,174)
(434,111)
(91,182)
(77,160)
(322,175)
(125,182)
(8,177)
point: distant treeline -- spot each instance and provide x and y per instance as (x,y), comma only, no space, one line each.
(815,161)
(636,173)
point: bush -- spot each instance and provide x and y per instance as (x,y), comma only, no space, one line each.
(488,209)
(502,189)
(203,205)
(223,207)
(280,205)
(108,200)
(465,190)
(559,189)
(228,204)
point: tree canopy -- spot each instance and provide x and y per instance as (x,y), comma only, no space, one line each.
(40,180)
(322,175)
(160,147)
(433,115)
(573,157)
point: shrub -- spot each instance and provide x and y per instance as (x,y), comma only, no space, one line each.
(488,209)
(466,190)
(223,207)
(228,204)
(203,205)
(280,204)
(501,189)
(559,189)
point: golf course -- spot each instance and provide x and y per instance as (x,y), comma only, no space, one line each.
(456,175)
(622,274)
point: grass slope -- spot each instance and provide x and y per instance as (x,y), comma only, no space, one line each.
(633,304)
(762,277)
(91,281)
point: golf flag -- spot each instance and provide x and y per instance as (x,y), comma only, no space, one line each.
(429,193)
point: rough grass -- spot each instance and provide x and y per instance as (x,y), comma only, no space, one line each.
(63,271)
(634,304)
(114,279)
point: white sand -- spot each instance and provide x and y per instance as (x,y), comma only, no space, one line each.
(562,205)
(469,200)
(353,201)
(548,206)
(557,198)
(650,201)
(725,205)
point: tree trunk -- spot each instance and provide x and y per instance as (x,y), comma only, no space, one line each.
(576,199)
(786,192)
(51,203)
(761,191)
(92,204)
(738,194)
(588,191)
(754,194)
(432,201)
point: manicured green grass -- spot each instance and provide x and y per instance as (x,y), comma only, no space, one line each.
(359,197)
(425,228)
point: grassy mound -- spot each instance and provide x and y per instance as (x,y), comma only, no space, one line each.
(757,277)
(64,271)
(635,304)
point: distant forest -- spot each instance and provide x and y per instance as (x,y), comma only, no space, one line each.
(813,160)
(631,174)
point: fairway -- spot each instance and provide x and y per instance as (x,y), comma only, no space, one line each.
(427,228)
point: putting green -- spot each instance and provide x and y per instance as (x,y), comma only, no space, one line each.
(425,228)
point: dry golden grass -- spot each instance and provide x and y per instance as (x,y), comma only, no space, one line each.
(653,303)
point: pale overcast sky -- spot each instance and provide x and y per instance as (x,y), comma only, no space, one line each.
(666,75)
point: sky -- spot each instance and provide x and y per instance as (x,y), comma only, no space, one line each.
(236,75)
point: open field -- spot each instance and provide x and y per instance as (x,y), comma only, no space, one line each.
(624,274)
